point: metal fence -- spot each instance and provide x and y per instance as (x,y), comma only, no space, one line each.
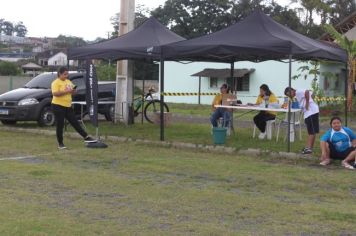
(8,83)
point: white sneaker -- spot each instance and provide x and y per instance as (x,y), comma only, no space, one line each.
(262,135)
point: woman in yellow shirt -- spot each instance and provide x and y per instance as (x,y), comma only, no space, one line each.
(62,90)
(220,112)
(267,97)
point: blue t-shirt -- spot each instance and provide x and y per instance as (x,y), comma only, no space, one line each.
(341,140)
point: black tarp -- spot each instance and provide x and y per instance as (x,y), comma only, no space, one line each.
(143,43)
(256,38)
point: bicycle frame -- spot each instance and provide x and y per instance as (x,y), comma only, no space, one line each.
(139,102)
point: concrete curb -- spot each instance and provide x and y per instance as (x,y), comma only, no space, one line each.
(179,145)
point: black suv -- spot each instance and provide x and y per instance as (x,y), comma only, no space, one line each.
(33,101)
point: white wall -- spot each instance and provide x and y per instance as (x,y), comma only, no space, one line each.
(273,73)
(60,59)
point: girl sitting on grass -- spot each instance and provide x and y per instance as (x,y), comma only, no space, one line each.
(338,143)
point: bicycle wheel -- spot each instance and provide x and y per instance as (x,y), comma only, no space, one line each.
(153,107)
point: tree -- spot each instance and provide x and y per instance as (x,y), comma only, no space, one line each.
(350,47)
(243,8)
(20,29)
(315,13)
(286,17)
(1,24)
(106,71)
(69,41)
(97,40)
(7,27)
(141,15)
(115,23)
(194,18)
(145,70)
(9,68)
(340,9)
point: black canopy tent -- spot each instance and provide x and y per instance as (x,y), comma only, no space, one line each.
(256,38)
(143,43)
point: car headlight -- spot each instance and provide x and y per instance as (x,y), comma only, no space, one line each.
(28,101)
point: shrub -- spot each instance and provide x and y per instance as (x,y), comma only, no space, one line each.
(9,68)
(106,72)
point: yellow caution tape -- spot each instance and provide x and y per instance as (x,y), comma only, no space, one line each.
(329,99)
(317,99)
(188,94)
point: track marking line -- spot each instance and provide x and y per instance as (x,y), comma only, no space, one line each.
(23,157)
(16,158)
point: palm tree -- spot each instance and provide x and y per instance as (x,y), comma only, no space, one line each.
(350,47)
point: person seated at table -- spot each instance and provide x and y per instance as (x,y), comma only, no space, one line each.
(338,143)
(260,120)
(217,112)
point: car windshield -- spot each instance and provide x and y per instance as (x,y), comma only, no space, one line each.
(42,81)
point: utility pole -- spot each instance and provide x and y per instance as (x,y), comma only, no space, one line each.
(124,68)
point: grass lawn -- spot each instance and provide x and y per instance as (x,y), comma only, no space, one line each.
(148,190)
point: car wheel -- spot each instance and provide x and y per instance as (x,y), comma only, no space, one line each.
(110,113)
(47,117)
(8,122)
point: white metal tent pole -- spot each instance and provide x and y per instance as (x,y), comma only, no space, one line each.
(124,69)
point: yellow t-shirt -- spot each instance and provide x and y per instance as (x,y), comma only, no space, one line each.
(61,85)
(217,100)
(272,99)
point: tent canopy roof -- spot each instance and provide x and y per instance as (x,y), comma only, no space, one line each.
(256,38)
(142,43)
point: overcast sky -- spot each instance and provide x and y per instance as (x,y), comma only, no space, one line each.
(87,19)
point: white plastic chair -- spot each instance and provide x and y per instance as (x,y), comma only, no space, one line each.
(295,121)
(269,124)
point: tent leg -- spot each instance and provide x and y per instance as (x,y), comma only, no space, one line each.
(232,77)
(142,99)
(162,100)
(290,104)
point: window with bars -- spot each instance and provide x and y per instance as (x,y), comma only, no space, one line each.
(243,83)
(213,83)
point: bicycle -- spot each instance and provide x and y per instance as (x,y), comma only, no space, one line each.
(153,106)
